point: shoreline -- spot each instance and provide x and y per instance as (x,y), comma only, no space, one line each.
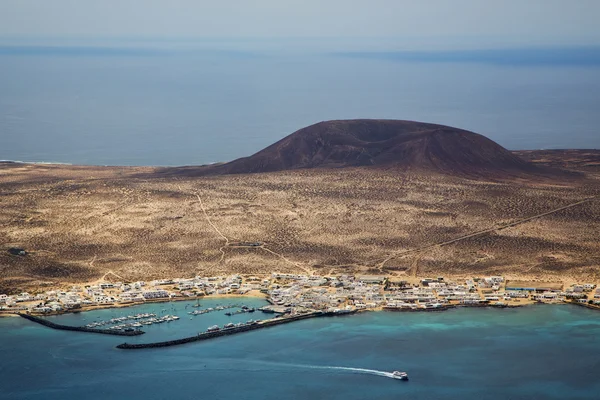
(133,304)
(378,293)
(231,296)
(258,324)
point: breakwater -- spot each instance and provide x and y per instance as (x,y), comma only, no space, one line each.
(52,325)
(229,331)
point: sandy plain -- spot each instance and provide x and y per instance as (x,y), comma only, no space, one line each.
(82,223)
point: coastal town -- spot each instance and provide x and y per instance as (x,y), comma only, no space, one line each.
(296,294)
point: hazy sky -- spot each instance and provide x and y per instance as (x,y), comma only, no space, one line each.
(536,21)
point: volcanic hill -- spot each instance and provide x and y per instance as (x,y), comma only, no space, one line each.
(379,143)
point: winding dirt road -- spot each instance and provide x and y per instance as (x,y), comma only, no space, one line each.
(215,228)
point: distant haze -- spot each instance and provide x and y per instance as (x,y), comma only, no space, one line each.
(190,82)
(548,21)
(134,104)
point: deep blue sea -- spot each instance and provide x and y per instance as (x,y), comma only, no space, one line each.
(538,352)
(180,103)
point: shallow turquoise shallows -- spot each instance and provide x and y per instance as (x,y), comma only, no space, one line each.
(538,352)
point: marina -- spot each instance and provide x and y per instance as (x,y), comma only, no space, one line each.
(49,324)
(215,331)
(293,297)
(211,309)
(120,319)
(243,310)
(145,322)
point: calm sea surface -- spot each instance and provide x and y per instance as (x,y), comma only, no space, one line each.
(541,352)
(163,105)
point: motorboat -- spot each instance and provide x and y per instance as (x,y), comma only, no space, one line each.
(403,376)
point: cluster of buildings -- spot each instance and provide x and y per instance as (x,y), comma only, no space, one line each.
(349,292)
(325,293)
(107,294)
(299,293)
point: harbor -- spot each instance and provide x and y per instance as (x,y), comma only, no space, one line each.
(287,293)
(231,329)
(139,321)
(207,325)
(289,297)
(49,324)
(156,321)
(309,350)
(211,309)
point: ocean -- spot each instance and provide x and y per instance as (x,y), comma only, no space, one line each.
(182,103)
(535,352)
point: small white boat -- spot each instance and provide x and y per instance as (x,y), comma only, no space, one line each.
(403,376)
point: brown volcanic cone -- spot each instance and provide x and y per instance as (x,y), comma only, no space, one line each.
(386,143)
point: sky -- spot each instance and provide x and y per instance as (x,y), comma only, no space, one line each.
(462,21)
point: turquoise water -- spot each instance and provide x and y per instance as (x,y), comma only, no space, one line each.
(548,352)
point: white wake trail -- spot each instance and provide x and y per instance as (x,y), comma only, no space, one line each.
(375,372)
(361,371)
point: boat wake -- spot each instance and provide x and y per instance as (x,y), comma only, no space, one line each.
(361,371)
(258,365)
(384,374)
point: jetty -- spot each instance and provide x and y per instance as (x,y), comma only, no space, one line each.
(232,330)
(209,310)
(52,325)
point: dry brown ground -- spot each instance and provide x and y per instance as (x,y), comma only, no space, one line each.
(582,160)
(86,223)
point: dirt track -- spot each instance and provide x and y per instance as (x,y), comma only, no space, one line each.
(483,232)
(80,224)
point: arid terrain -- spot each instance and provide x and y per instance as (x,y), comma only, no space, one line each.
(79,224)
(362,196)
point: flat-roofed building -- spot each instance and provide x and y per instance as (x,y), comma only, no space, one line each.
(372,279)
